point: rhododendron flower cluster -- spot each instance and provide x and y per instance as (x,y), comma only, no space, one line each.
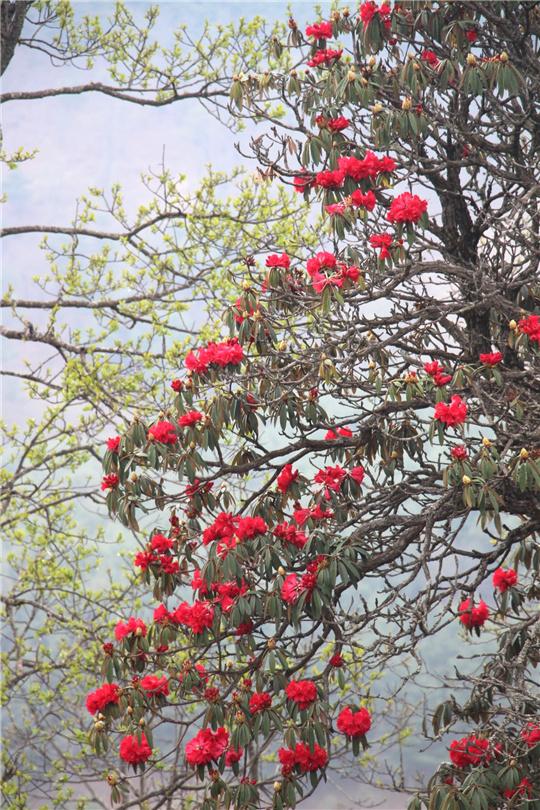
(370,9)
(286,478)
(110,481)
(471,615)
(155,685)
(530,326)
(198,617)
(354,723)
(290,534)
(113,444)
(190,418)
(452,413)
(259,702)
(98,700)
(163,432)
(469,751)
(303,693)
(207,746)
(221,355)
(531,734)
(303,757)
(504,578)
(320,30)
(325,58)
(133,627)
(437,373)
(406,207)
(133,751)
(491,358)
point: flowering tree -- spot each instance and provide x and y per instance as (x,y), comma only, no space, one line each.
(357,459)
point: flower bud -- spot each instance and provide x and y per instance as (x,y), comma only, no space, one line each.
(466,480)
(504,57)
(523,454)
(246,285)
(471,59)
(99,726)
(351,75)
(277,787)
(486,442)
(271,644)
(512,325)
(112,778)
(377,108)
(281,571)
(239,717)
(282,346)
(142,722)
(406,104)
(138,632)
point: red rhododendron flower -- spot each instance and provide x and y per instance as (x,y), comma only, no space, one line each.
(361,200)
(190,418)
(504,578)
(282,261)
(303,182)
(406,207)
(491,359)
(302,756)
(382,241)
(224,526)
(354,724)
(160,543)
(531,734)
(369,9)
(290,534)
(322,261)
(453,413)
(460,452)
(337,124)
(143,559)
(330,179)
(260,701)
(110,481)
(163,432)
(133,627)
(177,385)
(320,30)
(286,478)
(471,615)
(342,431)
(114,444)
(530,326)
(325,57)
(133,751)
(155,684)
(472,34)
(430,58)
(98,700)
(313,513)
(207,746)
(198,617)
(244,628)
(291,589)
(524,788)
(228,353)
(335,209)
(357,474)
(162,615)
(437,373)
(331,478)
(287,758)
(303,693)
(336,660)
(468,751)
(250,527)
(169,565)
(233,755)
